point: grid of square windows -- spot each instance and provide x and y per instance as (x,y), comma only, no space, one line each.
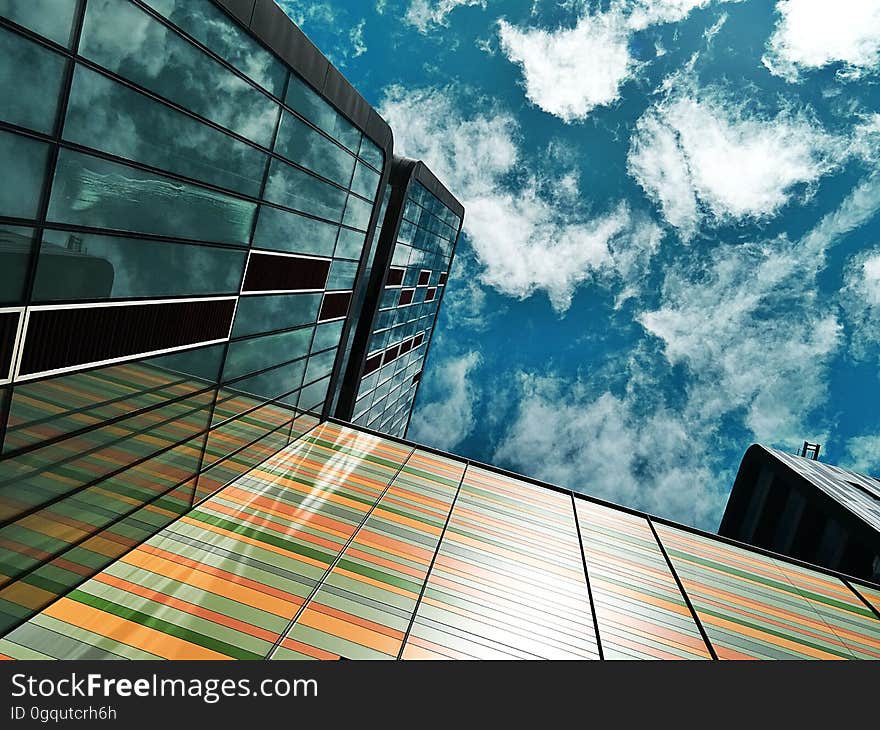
(139,189)
(407,312)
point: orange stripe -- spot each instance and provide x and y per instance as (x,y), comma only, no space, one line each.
(127,632)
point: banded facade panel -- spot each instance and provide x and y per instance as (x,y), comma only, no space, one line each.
(747,605)
(363,608)
(43,475)
(846,616)
(60,574)
(225,580)
(640,612)
(58,406)
(508,581)
(871,595)
(348,545)
(66,338)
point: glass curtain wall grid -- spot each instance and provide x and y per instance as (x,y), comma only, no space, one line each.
(417,243)
(349,544)
(190,198)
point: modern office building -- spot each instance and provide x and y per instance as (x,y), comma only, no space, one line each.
(187,211)
(419,233)
(807,509)
(347,544)
(190,285)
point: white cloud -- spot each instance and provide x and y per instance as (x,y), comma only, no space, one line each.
(464,301)
(424,14)
(863,454)
(645,13)
(632,257)
(861,301)
(608,448)
(356,37)
(568,72)
(307,13)
(753,346)
(811,34)
(526,237)
(700,156)
(448,418)
(749,330)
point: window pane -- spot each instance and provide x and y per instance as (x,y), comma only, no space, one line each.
(320,365)
(300,143)
(312,396)
(264,314)
(15,254)
(30,82)
(87,266)
(297,189)
(50,18)
(217,31)
(351,244)
(201,364)
(23,162)
(57,406)
(280,230)
(273,383)
(94,192)
(248,356)
(126,40)
(372,154)
(357,213)
(365,182)
(303,100)
(111,117)
(342,275)
(327,335)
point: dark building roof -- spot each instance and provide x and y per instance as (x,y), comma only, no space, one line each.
(810,510)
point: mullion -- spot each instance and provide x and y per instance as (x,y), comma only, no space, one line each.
(39,221)
(114,472)
(283,634)
(213,408)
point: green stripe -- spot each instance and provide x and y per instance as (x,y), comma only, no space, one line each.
(166,627)
(242,529)
(379,575)
(773,632)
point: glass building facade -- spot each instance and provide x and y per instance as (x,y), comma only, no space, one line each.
(420,229)
(816,512)
(348,544)
(190,285)
(187,209)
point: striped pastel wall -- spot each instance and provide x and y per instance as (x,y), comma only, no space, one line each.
(871,595)
(363,607)
(349,545)
(753,609)
(224,580)
(508,581)
(848,618)
(640,612)
(62,573)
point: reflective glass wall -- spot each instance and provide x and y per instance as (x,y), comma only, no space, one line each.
(349,545)
(182,223)
(427,231)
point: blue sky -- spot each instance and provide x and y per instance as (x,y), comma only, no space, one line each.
(672,237)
